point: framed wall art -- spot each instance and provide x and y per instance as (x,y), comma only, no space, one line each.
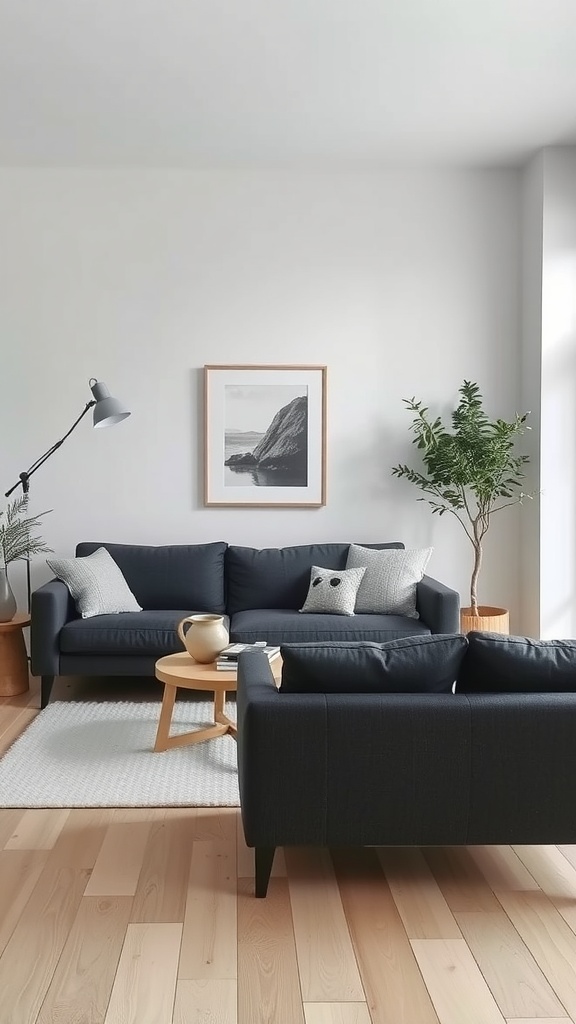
(265,436)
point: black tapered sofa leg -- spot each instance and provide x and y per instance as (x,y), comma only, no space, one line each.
(46,689)
(263,858)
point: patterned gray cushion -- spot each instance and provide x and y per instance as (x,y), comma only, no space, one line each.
(333,590)
(96,584)
(389,584)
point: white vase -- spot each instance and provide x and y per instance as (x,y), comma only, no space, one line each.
(205,638)
(7,599)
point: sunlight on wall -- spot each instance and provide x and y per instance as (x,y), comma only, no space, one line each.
(558,446)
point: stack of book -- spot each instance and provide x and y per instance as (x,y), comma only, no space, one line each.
(227,660)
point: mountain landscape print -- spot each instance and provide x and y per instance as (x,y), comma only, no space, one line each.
(266,435)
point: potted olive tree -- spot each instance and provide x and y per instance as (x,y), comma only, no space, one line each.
(18,540)
(471,471)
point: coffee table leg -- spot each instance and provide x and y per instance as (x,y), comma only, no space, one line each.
(164,741)
(219,716)
(165,718)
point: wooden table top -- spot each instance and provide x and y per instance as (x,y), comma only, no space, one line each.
(181,670)
(20,620)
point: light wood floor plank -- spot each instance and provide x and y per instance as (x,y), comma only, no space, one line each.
(214,823)
(502,868)
(554,873)
(538,1020)
(336,1013)
(395,991)
(512,974)
(209,937)
(13,722)
(556,876)
(568,851)
(82,983)
(38,829)
(145,983)
(268,983)
(421,905)
(30,957)
(9,822)
(131,815)
(162,884)
(463,885)
(81,838)
(19,872)
(119,861)
(205,1002)
(549,939)
(458,990)
(326,960)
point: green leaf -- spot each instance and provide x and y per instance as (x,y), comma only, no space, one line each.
(18,538)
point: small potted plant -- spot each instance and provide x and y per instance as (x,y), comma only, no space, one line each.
(471,471)
(17,541)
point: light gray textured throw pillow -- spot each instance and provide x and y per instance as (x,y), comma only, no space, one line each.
(389,583)
(96,583)
(333,590)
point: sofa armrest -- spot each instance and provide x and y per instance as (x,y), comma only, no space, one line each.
(438,606)
(50,611)
(282,742)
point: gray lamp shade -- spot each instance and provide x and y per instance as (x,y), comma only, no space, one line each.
(107,410)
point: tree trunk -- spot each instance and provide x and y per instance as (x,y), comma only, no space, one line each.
(474,580)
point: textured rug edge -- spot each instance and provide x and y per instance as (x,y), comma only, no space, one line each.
(180,761)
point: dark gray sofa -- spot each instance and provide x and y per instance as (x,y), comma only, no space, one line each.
(259,591)
(404,768)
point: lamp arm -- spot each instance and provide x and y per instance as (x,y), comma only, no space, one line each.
(24,477)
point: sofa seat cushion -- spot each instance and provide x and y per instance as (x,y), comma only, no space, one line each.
(148,632)
(278,626)
(496,663)
(412,664)
(170,575)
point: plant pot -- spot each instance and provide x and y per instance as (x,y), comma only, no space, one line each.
(488,619)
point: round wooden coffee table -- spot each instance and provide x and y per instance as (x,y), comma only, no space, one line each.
(176,670)
(13,657)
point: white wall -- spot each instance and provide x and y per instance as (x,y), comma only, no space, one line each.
(558,396)
(403,283)
(531,382)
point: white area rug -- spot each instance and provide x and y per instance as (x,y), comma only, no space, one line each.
(88,754)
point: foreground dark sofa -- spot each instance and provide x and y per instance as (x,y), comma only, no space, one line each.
(407,768)
(259,591)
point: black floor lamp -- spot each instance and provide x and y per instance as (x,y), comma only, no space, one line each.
(107,412)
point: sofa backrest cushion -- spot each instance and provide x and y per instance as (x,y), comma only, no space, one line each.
(495,663)
(171,575)
(279,577)
(415,664)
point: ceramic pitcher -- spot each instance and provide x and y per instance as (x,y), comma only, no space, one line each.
(205,637)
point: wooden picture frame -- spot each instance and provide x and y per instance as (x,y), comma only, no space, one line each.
(265,436)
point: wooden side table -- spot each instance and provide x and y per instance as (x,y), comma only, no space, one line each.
(13,658)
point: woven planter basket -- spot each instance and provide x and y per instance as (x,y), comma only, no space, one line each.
(488,620)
